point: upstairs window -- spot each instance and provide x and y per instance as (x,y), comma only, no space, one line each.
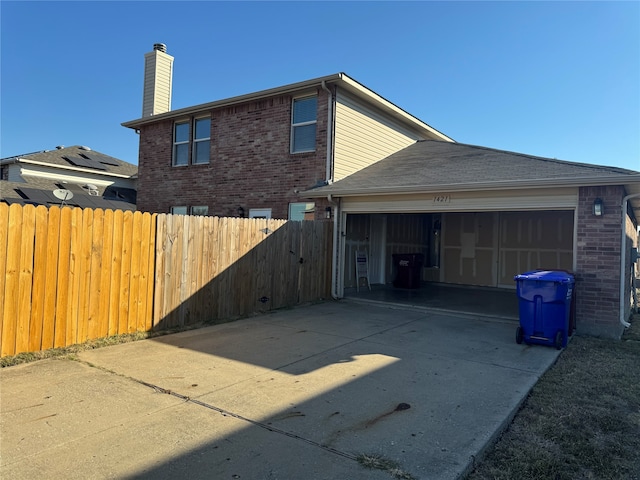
(195,146)
(181,144)
(201,140)
(303,124)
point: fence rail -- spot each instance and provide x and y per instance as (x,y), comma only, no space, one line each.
(71,275)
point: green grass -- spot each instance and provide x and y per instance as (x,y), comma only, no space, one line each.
(13,360)
(581,420)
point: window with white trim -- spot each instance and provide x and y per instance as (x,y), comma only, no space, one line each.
(259,213)
(303,124)
(180,144)
(301,211)
(201,140)
(191,139)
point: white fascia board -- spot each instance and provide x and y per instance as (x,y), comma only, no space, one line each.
(74,169)
(462,187)
(339,78)
(294,87)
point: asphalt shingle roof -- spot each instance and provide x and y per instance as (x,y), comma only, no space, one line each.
(39,191)
(107,163)
(432,164)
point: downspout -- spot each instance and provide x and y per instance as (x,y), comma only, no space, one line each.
(623,257)
(328,176)
(329,180)
(334,255)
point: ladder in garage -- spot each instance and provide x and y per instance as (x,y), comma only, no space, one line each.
(362,268)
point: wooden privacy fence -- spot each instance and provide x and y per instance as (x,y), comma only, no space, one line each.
(210,268)
(71,275)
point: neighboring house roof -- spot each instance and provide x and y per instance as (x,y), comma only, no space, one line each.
(436,166)
(40,192)
(77,158)
(340,79)
(77,162)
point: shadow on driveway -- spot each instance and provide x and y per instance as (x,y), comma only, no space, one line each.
(299,393)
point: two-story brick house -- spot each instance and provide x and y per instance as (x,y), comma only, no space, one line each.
(330,147)
(253,154)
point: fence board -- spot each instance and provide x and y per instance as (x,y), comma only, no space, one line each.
(25,280)
(51,278)
(38,295)
(125,273)
(4,227)
(12,281)
(75,277)
(85,276)
(105,274)
(95,264)
(64,277)
(159,277)
(144,299)
(116,272)
(134,290)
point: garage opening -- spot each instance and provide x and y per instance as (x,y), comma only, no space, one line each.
(483,250)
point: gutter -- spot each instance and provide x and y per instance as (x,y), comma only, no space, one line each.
(328,175)
(73,169)
(623,256)
(467,187)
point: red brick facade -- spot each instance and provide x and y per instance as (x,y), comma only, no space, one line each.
(598,262)
(250,162)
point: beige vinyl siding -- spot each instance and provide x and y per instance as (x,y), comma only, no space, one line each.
(157,84)
(505,200)
(364,136)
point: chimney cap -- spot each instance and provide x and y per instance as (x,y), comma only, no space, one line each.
(160,47)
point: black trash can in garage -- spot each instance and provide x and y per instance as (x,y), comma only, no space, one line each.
(408,267)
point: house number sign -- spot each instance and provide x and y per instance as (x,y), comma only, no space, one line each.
(442,199)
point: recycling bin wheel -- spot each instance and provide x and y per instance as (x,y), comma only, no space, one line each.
(519,335)
(558,340)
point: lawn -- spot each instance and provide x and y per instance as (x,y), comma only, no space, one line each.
(581,420)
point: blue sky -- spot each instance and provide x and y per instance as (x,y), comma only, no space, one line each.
(554,79)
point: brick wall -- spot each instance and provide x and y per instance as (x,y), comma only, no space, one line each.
(250,164)
(598,263)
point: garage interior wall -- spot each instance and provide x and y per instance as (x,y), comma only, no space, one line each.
(483,248)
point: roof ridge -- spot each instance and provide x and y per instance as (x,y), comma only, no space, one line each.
(536,157)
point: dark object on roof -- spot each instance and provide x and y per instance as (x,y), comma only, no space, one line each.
(118,198)
(84,162)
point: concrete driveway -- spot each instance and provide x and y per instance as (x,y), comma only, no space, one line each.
(308,392)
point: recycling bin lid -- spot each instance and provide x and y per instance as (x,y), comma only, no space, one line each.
(546,276)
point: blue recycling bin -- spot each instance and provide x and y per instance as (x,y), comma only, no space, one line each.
(545,307)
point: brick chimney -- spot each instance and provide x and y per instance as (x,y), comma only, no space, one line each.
(158,75)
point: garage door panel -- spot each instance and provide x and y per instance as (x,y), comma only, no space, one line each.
(531,240)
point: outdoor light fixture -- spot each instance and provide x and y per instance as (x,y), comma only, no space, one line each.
(598,207)
(241,212)
(327,212)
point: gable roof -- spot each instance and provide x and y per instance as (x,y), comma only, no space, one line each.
(340,79)
(40,192)
(78,158)
(79,162)
(431,165)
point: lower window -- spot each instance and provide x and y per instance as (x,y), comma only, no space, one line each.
(260,213)
(302,211)
(180,210)
(200,210)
